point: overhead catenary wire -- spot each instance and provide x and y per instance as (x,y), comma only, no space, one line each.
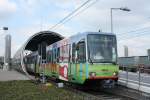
(77,14)
(135,33)
(140,29)
(138,35)
(64,20)
(139,25)
(70,14)
(128,35)
(135,30)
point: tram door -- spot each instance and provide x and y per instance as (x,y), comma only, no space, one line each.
(78,60)
(73,62)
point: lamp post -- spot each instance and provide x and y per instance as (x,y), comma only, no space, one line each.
(123,9)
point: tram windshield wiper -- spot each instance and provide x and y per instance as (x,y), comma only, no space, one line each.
(90,60)
(107,62)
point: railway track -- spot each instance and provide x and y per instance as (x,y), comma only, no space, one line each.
(129,93)
(90,94)
(95,95)
(108,96)
(117,93)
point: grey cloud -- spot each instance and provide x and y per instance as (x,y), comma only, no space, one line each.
(7,8)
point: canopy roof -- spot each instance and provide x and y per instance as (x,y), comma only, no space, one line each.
(44,36)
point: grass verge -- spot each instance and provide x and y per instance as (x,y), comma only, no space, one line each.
(26,90)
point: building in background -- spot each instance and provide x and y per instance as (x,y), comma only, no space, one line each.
(148,53)
(7,57)
(126,51)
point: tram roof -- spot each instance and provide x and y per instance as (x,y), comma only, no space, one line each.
(78,36)
(104,33)
(50,37)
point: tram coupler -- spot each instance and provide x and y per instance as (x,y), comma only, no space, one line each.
(108,83)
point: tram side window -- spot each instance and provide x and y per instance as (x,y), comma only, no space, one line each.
(81,52)
(64,53)
(73,52)
(53,55)
(58,54)
(49,56)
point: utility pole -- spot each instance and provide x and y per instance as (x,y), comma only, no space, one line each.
(111,17)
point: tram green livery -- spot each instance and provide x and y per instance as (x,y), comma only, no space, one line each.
(89,56)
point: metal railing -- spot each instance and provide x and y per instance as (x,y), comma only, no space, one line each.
(137,80)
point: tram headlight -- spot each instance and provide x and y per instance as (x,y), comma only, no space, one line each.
(115,73)
(92,74)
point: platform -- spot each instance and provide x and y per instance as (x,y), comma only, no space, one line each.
(11,75)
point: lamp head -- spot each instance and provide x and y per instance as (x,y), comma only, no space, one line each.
(125,9)
(5,28)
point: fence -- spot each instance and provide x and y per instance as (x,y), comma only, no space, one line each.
(139,80)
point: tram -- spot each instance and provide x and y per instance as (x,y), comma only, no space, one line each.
(89,57)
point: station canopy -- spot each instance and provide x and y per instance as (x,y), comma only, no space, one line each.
(44,36)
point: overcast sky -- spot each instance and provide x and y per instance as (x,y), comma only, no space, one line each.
(26,17)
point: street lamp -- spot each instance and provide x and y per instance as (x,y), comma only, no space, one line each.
(5,28)
(122,8)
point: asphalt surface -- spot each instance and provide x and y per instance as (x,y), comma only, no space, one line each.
(143,79)
(11,75)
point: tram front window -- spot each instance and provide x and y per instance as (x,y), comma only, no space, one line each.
(102,48)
